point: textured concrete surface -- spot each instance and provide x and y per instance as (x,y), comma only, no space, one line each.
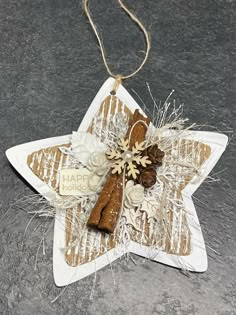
(50,70)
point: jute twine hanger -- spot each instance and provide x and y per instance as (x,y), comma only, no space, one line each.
(119,77)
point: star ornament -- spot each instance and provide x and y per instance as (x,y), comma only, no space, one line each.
(159,223)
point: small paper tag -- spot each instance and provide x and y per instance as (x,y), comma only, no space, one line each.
(74,182)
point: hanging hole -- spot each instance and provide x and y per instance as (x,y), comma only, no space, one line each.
(113,92)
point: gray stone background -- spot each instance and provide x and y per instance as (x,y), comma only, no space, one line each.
(50,70)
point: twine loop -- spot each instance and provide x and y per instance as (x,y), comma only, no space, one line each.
(119,77)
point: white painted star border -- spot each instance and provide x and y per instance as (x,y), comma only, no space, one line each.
(63,273)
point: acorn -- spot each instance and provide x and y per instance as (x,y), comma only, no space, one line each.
(147,177)
(155,154)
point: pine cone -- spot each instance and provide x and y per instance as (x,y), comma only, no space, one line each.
(147,177)
(155,155)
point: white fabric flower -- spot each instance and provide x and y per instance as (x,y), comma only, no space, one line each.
(83,145)
(94,182)
(134,194)
(98,162)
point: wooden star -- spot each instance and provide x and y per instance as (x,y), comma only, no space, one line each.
(180,243)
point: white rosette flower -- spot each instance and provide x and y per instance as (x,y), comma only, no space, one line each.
(134,194)
(98,163)
(83,145)
(99,166)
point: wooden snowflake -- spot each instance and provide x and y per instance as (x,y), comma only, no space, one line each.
(126,157)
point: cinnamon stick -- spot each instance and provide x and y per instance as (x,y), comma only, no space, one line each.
(139,130)
(102,201)
(111,212)
(108,206)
